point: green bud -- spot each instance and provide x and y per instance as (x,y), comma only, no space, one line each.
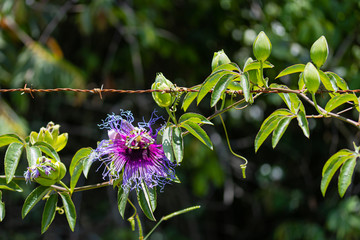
(319,51)
(311,78)
(219,58)
(50,171)
(162,99)
(50,135)
(262,47)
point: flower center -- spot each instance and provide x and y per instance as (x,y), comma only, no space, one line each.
(139,139)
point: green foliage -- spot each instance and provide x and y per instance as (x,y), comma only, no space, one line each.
(33,198)
(147,200)
(49,212)
(69,208)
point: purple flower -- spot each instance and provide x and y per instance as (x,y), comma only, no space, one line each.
(33,172)
(132,153)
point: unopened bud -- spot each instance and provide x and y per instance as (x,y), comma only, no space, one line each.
(262,47)
(219,58)
(319,51)
(161,98)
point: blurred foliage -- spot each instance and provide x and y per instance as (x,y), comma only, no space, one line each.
(123,44)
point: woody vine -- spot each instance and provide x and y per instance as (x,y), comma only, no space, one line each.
(142,157)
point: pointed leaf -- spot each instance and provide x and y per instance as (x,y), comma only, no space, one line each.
(199,133)
(146,201)
(12,158)
(280,129)
(49,212)
(122,200)
(48,150)
(220,88)
(75,175)
(69,208)
(80,155)
(229,67)
(345,176)
(341,83)
(195,118)
(12,186)
(303,123)
(177,144)
(87,162)
(189,98)
(166,143)
(32,154)
(256,65)
(6,139)
(329,83)
(208,84)
(245,85)
(2,208)
(34,197)
(297,68)
(340,100)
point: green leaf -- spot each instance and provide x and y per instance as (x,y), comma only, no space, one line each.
(12,186)
(69,208)
(80,155)
(280,129)
(254,78)
(49,212)
(122,200)
(209,83)
(245,85)
(303,123)
(341,83)
(329,83)
(269,125)
(195,118)
(256,65)
(199,133)
(32,154)
(75,175)
(332,165)
(48,150)
(291,100)
(297,68)
(189,98)
(87,162)
(2,208)
(61,142)
(177,144)
(166,143)
(228,67)
(6,139)
(34,197)
(345,176)
(147,201)
(12,157)
(301,81)
(220,88)
(339,100)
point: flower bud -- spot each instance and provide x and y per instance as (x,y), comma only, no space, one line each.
(319,51)
(161,98)
(219,58)
(46,171)
(262,47)
(311,78)
(50,135)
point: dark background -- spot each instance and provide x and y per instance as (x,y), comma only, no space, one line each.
(123,44)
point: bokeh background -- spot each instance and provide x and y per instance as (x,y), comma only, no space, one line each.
(123,44)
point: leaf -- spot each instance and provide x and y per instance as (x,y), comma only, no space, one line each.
(195,118)
(12,157)
(245,85)
(87,162)
(189,98)
(48,150)
(69,208)
(332,165)
(177,144)
(208,84)
(166,143)
(61,142)
(256,65)
(220,88)
(269,125)
(75,175)
(303,123)
(49,212)
(253,77)
(80,155)
(291,100)
(199,133)
(297,68)
(329,83)
(146,201)
(34,197)
(2,208)
(229,67)
(341,83)
(280,129)
(339,100)
(32,154)
(12,186)
(122,200)
(345,176)
(6,139)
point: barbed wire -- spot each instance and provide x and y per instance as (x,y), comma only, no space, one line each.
(102,90)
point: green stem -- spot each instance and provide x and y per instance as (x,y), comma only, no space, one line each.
(64,185)
(316,105)
(141,236)
(243,166)
(262,74)
(167,217)
(171,115)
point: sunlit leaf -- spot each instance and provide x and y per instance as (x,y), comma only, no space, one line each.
(147,200)
(11,186)
(345,176)
(329,83)
(341,83)
(69,208)
(195,118)
(166,143)
(49,212)
(199,133)
(340,100)
(245,85)
(12,158)
(303,123)
(32,154)
(75,175)
(6,139)
(220,88)
(280,129)
(48,150)
(297,68)
(177,144)
(33,198)
(2,208)
(122,200)
(189,98)
(256,65)
(209,83)
(80,155)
